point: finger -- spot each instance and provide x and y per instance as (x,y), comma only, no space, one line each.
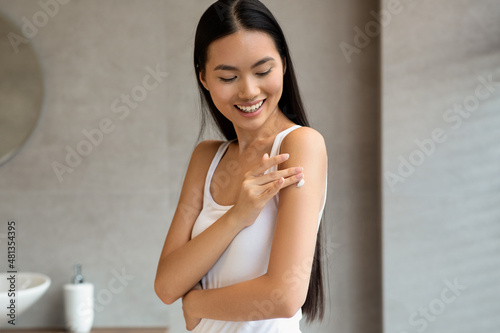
(293,180)
(277,186)
(267,191)
(273,176)
(267,163)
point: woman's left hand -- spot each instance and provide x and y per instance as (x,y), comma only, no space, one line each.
(191,322)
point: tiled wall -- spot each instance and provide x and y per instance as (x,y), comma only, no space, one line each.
(112,211)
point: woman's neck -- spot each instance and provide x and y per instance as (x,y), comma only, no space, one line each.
(275,124)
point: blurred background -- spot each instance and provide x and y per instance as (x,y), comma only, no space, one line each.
(441,167)
(406,94)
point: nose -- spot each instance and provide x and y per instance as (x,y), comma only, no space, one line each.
(249,89)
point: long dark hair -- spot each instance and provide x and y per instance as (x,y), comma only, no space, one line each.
(224,18)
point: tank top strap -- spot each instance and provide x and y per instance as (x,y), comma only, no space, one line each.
(222,150)
(275,150)
(215,162)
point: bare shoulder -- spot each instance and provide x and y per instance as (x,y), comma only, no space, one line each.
(304,141)
(307,149)
(191,198)
(205,150)
(200,161)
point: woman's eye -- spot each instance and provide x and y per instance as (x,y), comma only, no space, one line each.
(227,80)
(265,73)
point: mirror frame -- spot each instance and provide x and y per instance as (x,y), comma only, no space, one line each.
(21,78)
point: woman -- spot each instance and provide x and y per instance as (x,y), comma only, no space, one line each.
(243,249)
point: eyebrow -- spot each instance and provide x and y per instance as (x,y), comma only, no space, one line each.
(232,68)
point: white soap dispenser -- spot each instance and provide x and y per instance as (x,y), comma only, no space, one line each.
(79,304)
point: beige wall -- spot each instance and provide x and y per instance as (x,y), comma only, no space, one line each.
(441,167)
(113,211)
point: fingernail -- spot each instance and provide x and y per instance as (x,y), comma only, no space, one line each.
(266,155)
(301,183)
(286,156)
(299,169)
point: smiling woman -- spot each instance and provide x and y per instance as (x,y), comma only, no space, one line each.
(118,204)
(245,254)
(235,85)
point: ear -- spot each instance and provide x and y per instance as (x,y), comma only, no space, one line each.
(202,79)
(284,66)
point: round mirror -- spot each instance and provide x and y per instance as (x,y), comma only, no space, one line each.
(21,89)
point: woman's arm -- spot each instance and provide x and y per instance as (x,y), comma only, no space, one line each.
(183,261)
(283,289)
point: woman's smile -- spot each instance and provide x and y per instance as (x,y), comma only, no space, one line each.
(251,110)
(244,76)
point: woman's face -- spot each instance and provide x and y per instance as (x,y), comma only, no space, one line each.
(244,75)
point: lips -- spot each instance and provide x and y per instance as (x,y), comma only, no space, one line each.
(250,108)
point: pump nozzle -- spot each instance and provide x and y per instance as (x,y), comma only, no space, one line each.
(78,278)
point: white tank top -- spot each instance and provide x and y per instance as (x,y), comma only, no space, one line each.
(247,256)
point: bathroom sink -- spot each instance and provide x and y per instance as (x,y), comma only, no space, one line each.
(29,288)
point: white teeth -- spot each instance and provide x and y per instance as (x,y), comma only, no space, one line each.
(250,109)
